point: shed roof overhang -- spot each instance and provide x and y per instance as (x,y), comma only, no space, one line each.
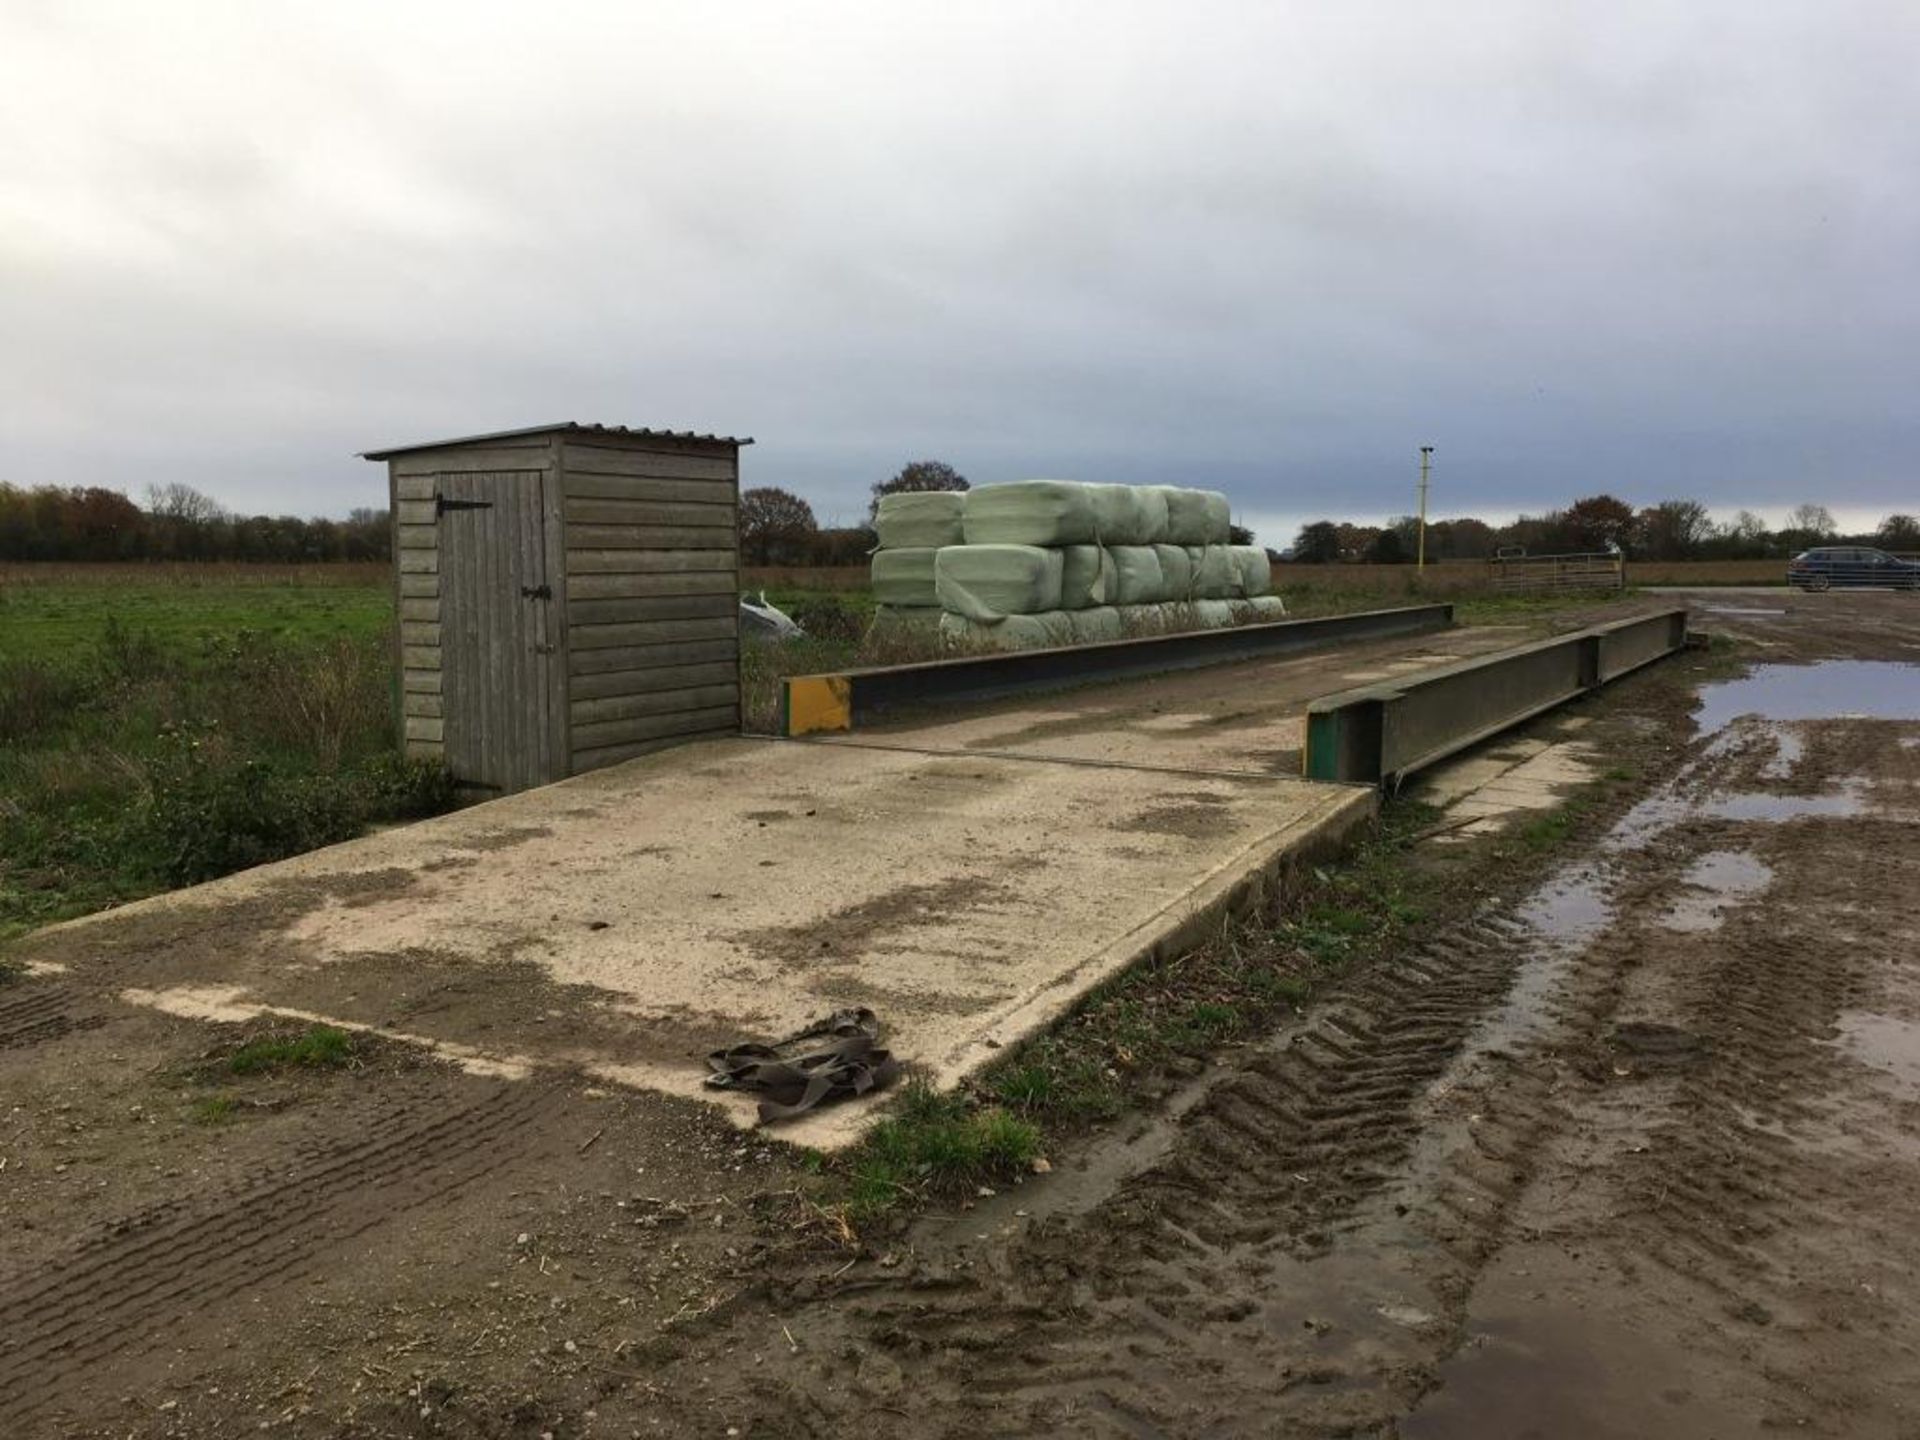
(563,427)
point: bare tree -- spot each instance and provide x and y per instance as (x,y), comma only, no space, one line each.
(774,526)
(920,475)
(1672,530)
(1814,520)
(1900,532)
(183,503)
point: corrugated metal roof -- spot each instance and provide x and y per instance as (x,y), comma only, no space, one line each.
(570,427)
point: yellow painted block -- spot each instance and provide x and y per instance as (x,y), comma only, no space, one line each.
(817,703)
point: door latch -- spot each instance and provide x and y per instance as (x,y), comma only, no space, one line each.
(441,504)
(537,592)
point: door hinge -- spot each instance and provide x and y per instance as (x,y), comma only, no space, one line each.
(537,592)
(441,504)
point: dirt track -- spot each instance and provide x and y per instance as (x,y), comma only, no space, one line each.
(1622,1149)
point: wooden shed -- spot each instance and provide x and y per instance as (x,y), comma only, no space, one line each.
(568,597)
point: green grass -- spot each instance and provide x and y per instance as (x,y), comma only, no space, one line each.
(51,620)
(321,1047)
(155,733)
(213,1109)
(933,1146)
(1551,830)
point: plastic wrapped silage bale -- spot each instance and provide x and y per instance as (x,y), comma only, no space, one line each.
(1176,572)
(1212,614)
(1146,620)
(985,582)
(1048,630)
(1030,512)
(1097,626)
(1083,576)
(925,520)
(1216,576)
(903,579)
(1197,517)
(892,619)
(1134,576)
(1255,569)
(1128,514)
(1267,607)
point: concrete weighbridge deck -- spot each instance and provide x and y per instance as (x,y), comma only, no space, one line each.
(625,922)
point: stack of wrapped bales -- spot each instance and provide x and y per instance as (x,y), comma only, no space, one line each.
(912,529)
(1055,562)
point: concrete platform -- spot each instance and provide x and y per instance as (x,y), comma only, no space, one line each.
(626,922)
(968,878)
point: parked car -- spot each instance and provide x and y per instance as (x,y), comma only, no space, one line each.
(1840,565)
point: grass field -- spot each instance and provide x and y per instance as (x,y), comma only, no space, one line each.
(52,611)
(162,725)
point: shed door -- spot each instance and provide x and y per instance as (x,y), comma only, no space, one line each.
(496,616)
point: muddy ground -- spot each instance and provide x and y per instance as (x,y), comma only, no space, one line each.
(1625,1145)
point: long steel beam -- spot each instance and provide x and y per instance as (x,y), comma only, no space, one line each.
(1378,733)
(817,703)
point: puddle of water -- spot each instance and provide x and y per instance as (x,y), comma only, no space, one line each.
(1571,909)
(1885,1044)
(1666,808)
(1830,690)
(1545,1371)
(1566,914)
(1849,799)
(1713,882)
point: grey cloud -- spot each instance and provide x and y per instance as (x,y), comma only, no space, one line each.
(1653,249)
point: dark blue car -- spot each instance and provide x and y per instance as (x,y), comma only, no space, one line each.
(1839,565)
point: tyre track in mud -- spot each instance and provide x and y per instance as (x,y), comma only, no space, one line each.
(1155,1312)
(40,1015)
(1404,1118)
(1689,1181)
(122,1285)
(1726,1174)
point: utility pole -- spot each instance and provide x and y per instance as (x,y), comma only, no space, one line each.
(1426,464)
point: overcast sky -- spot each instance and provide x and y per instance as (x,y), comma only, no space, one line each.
(1654,248)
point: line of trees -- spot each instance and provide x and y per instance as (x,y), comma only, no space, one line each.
(81,524)
(1670,530)
(777,527)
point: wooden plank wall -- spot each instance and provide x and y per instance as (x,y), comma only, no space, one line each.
(414,480)
(652,577)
